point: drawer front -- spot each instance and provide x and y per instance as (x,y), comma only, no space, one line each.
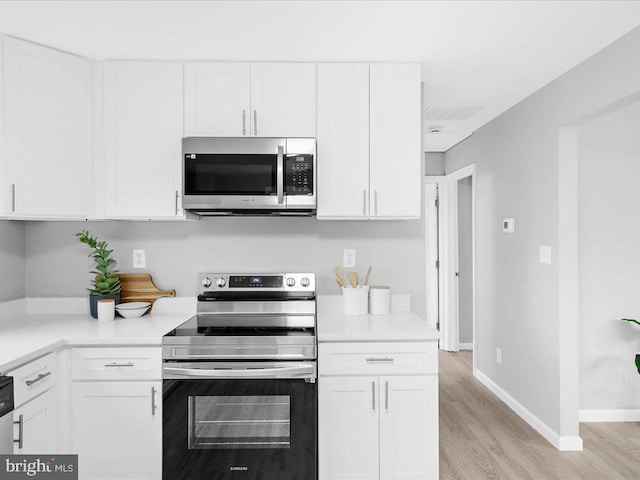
(393,358)
(34,378)
(117,363)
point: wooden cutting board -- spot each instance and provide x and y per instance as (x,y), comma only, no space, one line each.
(139,287)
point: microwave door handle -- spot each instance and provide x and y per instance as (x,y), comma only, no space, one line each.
(235,373)
(280,175)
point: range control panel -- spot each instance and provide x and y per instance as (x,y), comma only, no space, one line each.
(299,174)
(208,282)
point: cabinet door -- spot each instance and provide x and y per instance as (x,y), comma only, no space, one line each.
(343,141)
(409,428)
(116,431)
(348,434)
(35,425)
(395,141)
(216,99)
(283,100)
(46,132)
(143,139)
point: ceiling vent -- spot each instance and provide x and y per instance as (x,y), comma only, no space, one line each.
(451,112)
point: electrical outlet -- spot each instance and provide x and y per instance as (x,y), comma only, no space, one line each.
(349,258)
(499,355)
(139,259)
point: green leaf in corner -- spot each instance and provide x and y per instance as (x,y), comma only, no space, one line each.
(638,362)
(631,320)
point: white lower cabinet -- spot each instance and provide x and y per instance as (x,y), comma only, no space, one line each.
(382,426)
(35,429)
(117,430)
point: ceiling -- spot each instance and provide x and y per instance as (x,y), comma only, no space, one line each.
(478,58)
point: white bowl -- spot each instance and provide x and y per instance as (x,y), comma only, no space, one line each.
(133,309)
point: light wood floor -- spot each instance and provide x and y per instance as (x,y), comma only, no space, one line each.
(481,438)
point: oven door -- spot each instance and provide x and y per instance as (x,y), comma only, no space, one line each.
(231,173)
(222,429)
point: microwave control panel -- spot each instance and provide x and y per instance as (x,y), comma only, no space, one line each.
(299,174)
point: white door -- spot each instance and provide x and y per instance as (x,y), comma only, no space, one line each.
(348,428)
(35,426)
(343,141)
(143,139)
(409,428)
(283,99)
(396,159)
(217,99)
(117,433)
(46,132)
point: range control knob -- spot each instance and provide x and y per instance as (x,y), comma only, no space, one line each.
(291,282)
(305,282)
(221,282)
(206,282)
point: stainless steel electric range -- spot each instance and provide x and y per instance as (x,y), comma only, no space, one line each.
(239,391)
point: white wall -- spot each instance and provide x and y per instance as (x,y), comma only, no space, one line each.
(57,263)
(434,163)
(465,260)
(609,255)
(12,260)
(518,176)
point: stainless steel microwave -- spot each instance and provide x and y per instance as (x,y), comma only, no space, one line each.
(249,176)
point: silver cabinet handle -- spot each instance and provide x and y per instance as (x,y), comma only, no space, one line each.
(386,395)
(364,202)
(280,175)
(153,401)
(20,423)
(13,197)
(375,201)
(244,122)
(176,202)
(373,395)
(37,379)
(116,364)
(255,122)
(379,360)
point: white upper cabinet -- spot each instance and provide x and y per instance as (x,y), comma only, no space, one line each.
(369,159)
(45,132)
(217,99)
(343,141)
(143,139)
(395,168)
(283,99)
(257,100)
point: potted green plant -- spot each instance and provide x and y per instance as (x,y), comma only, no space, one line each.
(105,283)
(638,354)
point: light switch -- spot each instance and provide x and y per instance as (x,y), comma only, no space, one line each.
(545,254)
(509,225)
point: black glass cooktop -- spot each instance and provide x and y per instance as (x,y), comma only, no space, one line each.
(202,326)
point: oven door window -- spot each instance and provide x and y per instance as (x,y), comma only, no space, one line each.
(230,174)
(239,422)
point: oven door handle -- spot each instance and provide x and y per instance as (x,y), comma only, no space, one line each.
(235,373)
(280,175)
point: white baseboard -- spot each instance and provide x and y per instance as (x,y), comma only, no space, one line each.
(610,415)
(465,346)
(567,443)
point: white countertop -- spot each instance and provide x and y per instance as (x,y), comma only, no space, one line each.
(26,336)
(334,326)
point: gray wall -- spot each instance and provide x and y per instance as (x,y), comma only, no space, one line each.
(12,260)
(177,251)
(609,256)
(517,176)
(465,259)
(434,163)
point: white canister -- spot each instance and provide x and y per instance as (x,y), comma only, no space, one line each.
(380,300)
(106,310)
(355,301)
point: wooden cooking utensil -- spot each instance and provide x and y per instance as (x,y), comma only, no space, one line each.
(139,287)
(353,278)
(366,277)
(340,277)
